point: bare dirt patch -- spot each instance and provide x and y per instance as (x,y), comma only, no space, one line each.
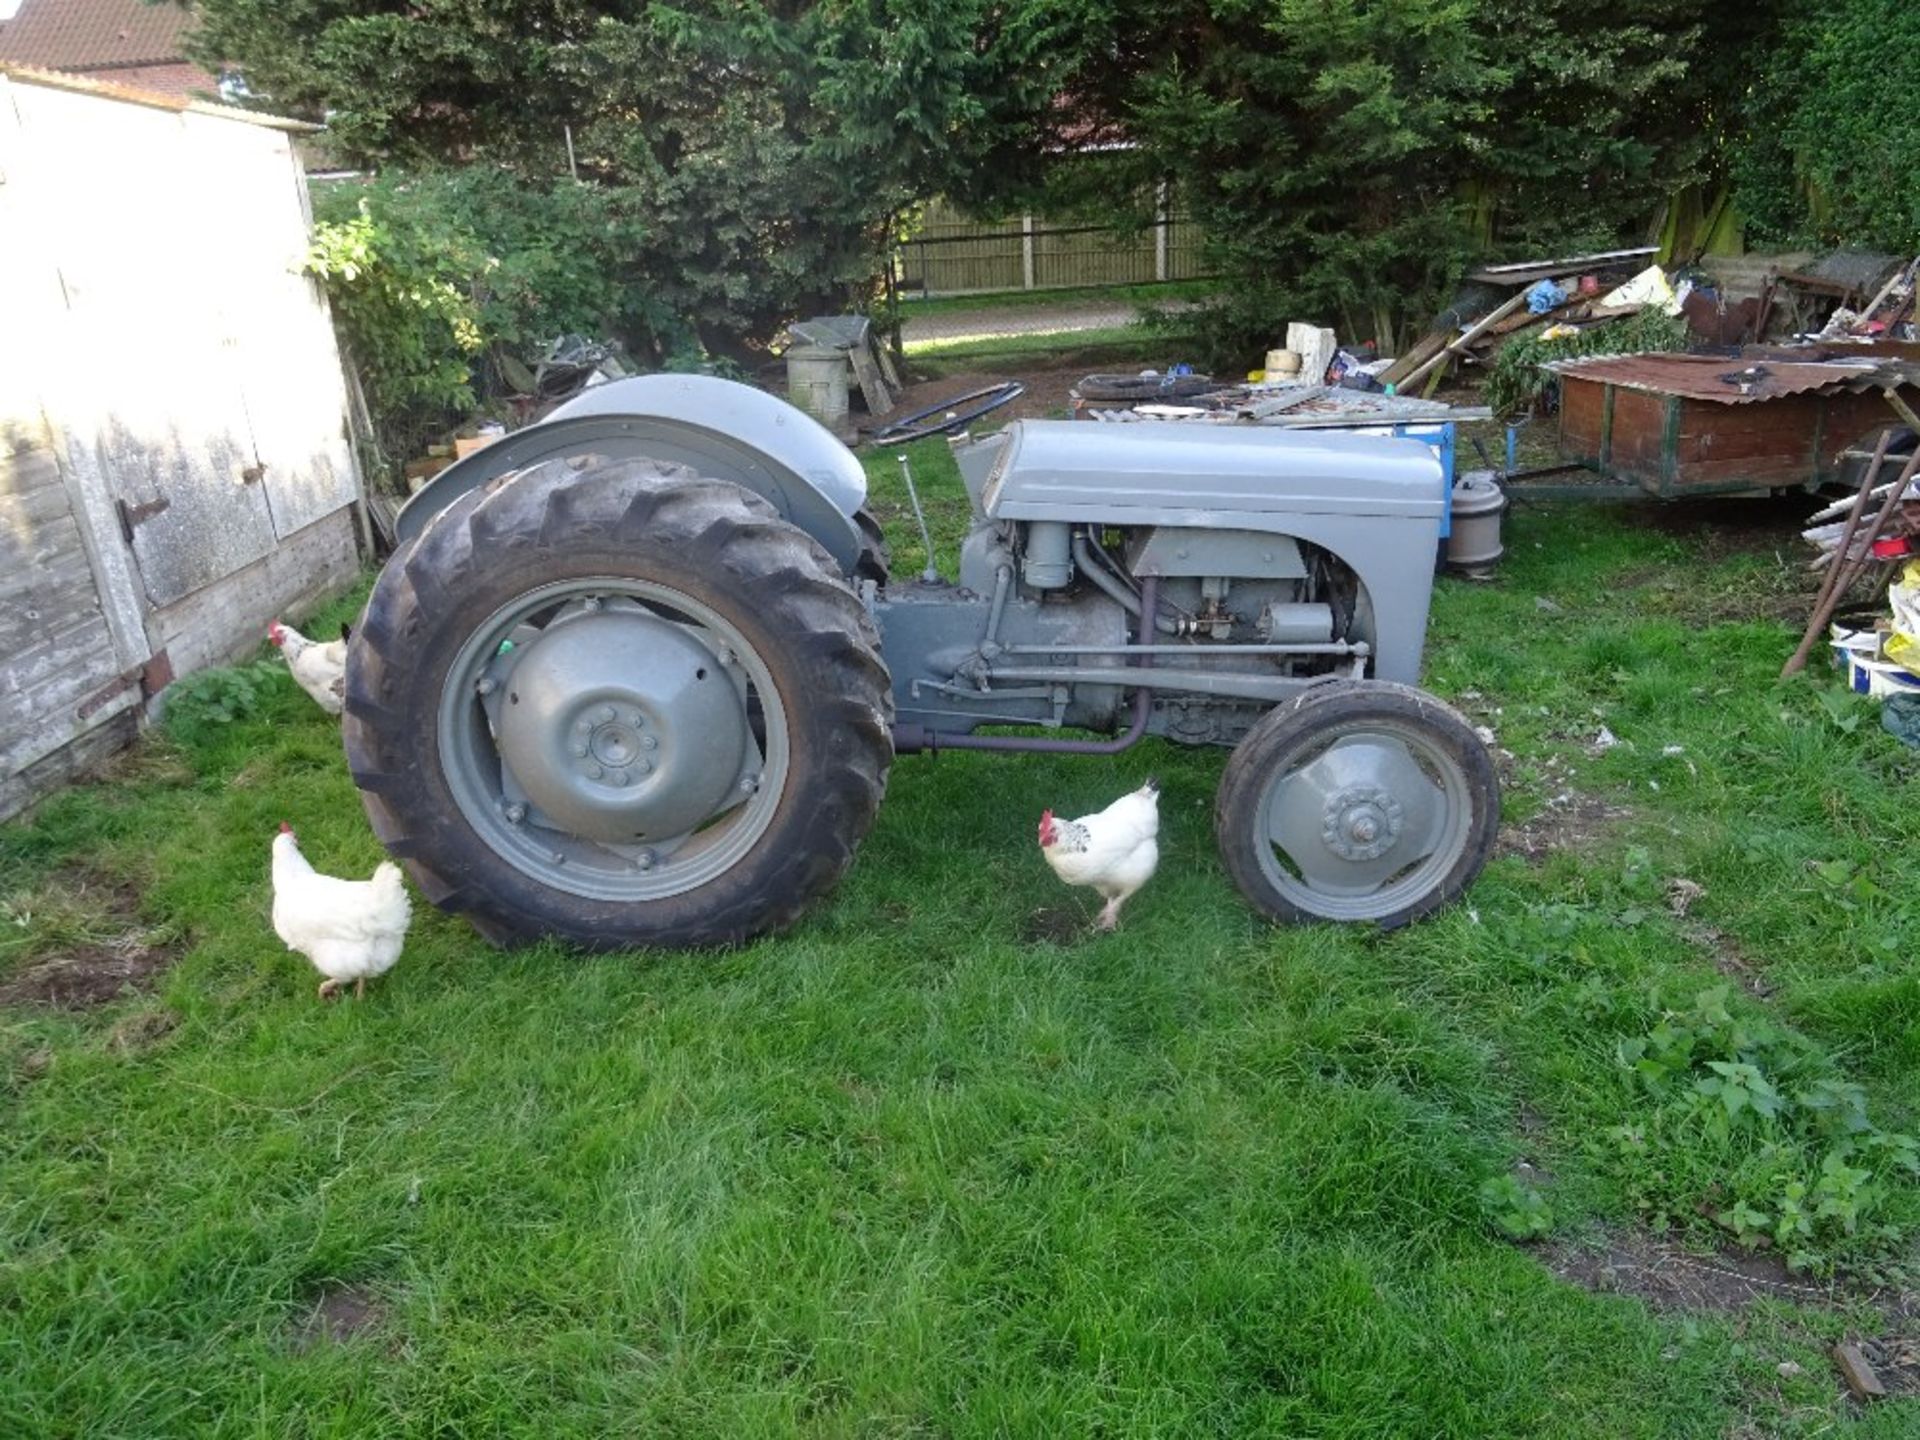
(1046,395)
(1569,821)
(1053,927)
(338,1314)
(1667,1277)
(103,949)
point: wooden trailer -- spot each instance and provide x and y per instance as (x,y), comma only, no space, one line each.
(1684,425)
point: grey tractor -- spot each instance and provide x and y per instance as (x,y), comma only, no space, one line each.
(637,675)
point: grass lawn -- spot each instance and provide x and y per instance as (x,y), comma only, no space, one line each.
(916,1169)
(1113,343)
(1153,293)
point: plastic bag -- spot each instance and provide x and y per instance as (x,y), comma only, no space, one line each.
(1649,287)
(1545,296)
(1903,598)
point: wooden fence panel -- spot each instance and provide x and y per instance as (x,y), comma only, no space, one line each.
(951,253)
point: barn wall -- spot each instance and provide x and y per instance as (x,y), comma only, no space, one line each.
(174,463)
(227,620)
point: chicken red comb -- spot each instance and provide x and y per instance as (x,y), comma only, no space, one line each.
(285,828)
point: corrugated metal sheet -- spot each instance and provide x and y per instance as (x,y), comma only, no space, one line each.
(1735,381)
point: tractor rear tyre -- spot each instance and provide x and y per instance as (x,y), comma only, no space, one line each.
(632,707)
(1357,801)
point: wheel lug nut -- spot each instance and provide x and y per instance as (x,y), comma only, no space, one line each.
(644,860)
(749,783)
(592,602)
(645,767)
(620,777)
(606,715)
(579,748)
(594,772)
(583,726)
(648,742)
(487,685)
(516,812)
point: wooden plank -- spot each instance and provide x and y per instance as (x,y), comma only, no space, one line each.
(1606,425)
(1424,349)
(1670,443)
(45,575)
(1858,1373)
(872,387)
(23,510)
(1638,433)
(1473,332)
(25,471)
(114,727)
(883,352)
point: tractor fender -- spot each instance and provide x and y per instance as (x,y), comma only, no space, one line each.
(721,429)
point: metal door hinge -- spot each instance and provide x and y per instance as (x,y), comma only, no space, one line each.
(132,515)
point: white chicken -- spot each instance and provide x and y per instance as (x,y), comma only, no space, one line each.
(350,929)
(318,668)
(1114,852)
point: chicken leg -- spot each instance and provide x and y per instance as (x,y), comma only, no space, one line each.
(329,989)
(1109,918)
(360,988)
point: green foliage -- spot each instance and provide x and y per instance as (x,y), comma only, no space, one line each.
(403,294)
(765,145)
(1517,1210)
(224,696)
(1344,161)
(435,274)
(1515,381)
(1753,1127)
(1831,139)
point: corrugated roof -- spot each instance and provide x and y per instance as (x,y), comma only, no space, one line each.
(154,99)
(1733,381)
(83,35)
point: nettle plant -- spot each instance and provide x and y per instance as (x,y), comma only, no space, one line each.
(1752,1128)
(220,697)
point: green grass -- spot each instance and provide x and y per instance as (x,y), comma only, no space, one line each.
(1156,293)
(909,1172)
(1127,348)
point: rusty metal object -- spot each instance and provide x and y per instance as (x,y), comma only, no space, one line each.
(1703,377)
(136,515)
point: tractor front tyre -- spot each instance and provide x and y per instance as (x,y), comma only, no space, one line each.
(631,707)
(1357,801)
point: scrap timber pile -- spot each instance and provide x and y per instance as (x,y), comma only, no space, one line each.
(1544,297)
(1867,537)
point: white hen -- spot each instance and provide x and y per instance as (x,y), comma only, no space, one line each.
(319,669)
(350,929)
(1114,852)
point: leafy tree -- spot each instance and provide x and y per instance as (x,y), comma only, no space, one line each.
(1831,143)
(1345,158)
(766,143)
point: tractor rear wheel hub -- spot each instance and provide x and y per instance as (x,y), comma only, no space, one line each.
(621,726)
